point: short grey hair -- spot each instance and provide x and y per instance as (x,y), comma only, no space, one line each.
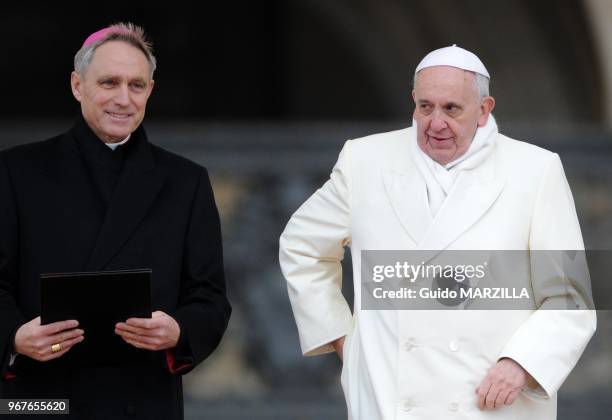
(125,32)
(481,84)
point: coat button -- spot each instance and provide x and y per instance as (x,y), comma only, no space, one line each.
(407,406)
(453,345)
(130,410)
(453,406)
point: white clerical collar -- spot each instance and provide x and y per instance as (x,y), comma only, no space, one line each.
(113,146)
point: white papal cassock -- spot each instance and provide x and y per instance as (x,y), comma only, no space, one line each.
(427,364)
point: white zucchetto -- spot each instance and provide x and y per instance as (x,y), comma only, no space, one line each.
(453,56)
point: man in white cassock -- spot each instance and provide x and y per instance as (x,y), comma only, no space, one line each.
(449,182)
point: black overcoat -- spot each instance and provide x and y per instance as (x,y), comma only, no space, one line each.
(162,215)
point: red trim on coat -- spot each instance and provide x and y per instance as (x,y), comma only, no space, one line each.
(9,376)
(171,361)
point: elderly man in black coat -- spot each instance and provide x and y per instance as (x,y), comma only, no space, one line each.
(101,197)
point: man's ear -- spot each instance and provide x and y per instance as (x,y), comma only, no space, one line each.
(151,84)
(76,85)
(486,106)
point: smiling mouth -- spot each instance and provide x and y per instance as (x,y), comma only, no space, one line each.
(119,116)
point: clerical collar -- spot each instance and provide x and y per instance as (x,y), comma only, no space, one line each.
(113,146)
(90,143)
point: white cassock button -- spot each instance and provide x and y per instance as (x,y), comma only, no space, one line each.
(406,406)
(453,406)
(453,345)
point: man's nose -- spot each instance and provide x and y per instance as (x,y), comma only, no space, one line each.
(122,96)
(438,122)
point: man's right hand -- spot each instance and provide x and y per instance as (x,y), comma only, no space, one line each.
(36,341)
(338,345)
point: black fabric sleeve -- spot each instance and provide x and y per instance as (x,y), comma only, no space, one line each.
(204,310)
(11,317)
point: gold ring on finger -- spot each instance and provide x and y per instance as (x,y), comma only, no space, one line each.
(56,347)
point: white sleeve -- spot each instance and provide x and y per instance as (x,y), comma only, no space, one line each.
(549,344)
(311,249)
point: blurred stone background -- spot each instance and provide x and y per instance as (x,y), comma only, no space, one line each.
(265,93)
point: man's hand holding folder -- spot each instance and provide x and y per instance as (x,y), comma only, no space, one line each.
(34,340)
(160,332)
(47,342)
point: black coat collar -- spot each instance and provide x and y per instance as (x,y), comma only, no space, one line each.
(138,152)
(138,186)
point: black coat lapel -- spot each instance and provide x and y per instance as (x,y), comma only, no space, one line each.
(75,204)
(73,180)
(138,186)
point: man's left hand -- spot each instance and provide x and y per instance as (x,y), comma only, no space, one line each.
(159,332)
(502,384)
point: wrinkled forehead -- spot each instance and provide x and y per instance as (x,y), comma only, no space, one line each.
(120,56)
(445,81)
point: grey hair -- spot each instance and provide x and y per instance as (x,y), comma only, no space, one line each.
(481,84)
(126,32)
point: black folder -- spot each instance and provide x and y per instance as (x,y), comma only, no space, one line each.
(98,300)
